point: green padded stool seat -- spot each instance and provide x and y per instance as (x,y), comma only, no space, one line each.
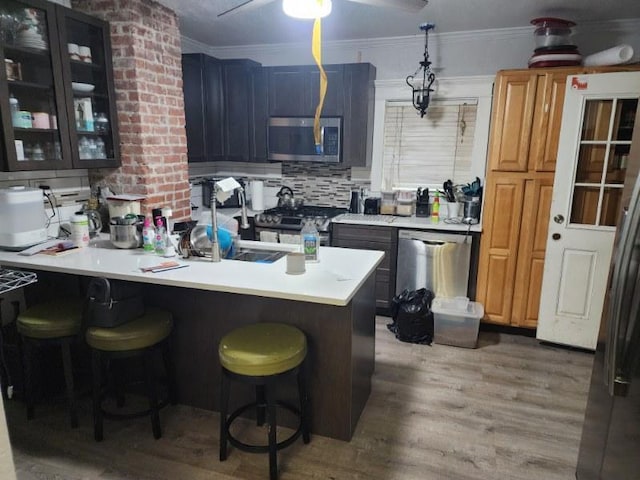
(262,349)
(56,322)
(57,318)
(153,327)
(141,337)
(263,354)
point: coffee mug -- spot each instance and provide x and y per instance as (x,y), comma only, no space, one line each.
(41,120)
(295,263)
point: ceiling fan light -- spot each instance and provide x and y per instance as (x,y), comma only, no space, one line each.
(307,8)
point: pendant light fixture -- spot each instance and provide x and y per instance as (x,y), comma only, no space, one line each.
(307,8)
(422,90)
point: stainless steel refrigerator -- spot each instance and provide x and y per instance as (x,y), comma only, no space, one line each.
(610,445)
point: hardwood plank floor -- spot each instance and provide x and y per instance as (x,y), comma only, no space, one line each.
(510,409)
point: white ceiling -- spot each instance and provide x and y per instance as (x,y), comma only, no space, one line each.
(267,24)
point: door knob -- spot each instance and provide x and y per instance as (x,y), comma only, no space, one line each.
(556,236)
(558,218)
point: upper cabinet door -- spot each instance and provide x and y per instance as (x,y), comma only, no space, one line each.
(32,99)
(512,119)
(547,118)
(294,91)
(87,72)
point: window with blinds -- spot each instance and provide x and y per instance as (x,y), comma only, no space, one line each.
(428,151)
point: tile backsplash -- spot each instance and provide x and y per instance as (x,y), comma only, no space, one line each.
(318,184)
(322,184)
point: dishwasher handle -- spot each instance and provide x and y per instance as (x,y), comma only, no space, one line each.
(432,238)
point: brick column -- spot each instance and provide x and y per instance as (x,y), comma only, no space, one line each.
(147,66)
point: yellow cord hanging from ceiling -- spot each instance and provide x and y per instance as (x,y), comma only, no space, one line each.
(316,50)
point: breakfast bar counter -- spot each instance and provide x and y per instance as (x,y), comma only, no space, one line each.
(332,302)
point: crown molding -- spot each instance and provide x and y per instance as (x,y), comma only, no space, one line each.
(628,26)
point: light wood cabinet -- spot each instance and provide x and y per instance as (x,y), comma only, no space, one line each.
(525,131)
(523,145)
(526,121)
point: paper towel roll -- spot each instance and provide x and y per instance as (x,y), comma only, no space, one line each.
(257,195)
(612,56)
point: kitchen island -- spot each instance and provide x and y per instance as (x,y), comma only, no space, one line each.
(332,302)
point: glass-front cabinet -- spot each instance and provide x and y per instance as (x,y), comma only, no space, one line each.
(57,101)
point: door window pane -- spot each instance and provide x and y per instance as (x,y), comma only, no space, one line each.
(584,208)
(597,117)
(617,166)
(590,163)
(611,206)
(625,119)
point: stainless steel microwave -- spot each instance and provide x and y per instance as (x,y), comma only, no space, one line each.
(291,139)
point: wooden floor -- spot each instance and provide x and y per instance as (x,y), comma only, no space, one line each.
(511,409)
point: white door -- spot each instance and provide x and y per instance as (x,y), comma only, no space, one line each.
(595,138)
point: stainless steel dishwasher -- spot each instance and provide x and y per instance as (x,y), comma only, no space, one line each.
(436,261)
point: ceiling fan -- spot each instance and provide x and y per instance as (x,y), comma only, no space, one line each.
(412,6)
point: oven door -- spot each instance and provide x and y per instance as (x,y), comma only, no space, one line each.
(281,235)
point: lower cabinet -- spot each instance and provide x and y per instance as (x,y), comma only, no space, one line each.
(513,247)
(370,237)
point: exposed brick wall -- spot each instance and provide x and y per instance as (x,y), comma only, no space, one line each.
(147,67)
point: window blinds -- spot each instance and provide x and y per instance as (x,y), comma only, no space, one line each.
(427,151)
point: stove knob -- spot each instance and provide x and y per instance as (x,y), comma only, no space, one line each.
(319,222)
(268,219)
(260,218)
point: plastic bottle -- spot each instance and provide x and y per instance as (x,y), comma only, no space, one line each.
(80,229)
(435,208)
(148,236)
(15,110)
(310,240)
(160,242)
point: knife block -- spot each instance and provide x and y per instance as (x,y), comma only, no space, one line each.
(423,209)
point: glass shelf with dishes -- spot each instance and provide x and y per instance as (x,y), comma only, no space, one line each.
(88,57)
(56,101)
(32,84)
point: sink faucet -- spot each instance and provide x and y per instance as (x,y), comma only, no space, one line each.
(228,185)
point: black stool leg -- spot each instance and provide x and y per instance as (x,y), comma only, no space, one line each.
(28,352)
(260,405)
(224,404)
(273,446)
(152,393)
(170,372)
(304,403)
(65,345)
(96,371)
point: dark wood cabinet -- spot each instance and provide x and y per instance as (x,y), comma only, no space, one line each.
(370,237)
(245,111)
(58,107)
(203,106)
(225,109)
(294,91)
(357,136)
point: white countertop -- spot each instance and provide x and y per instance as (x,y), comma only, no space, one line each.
(334,280)
(418,223)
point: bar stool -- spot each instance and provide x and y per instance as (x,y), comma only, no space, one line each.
(57,323)
(263,354)
(141,337)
